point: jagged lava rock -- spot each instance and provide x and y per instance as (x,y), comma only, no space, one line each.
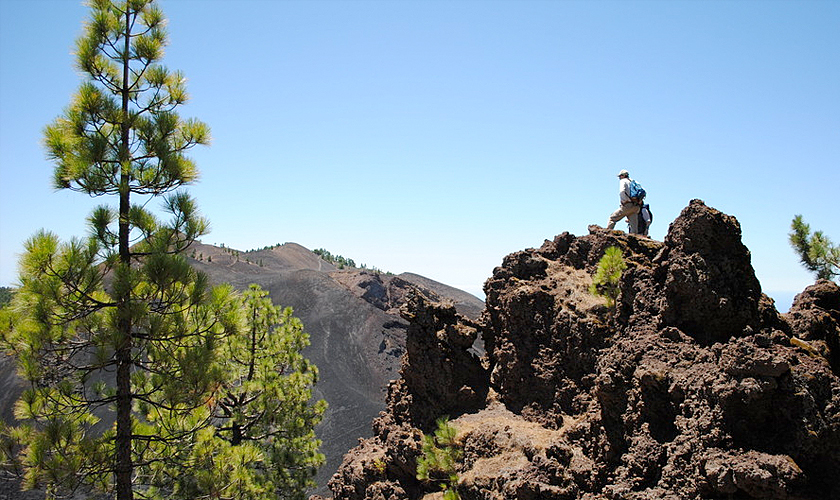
(692,387)
(439,368)
(710,289)
(815,317)
(543,329)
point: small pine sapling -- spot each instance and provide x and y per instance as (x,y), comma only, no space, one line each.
(605,283)
(440,454)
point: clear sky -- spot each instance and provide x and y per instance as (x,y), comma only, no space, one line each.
(438,136)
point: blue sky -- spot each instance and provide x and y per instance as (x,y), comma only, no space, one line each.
(438,136)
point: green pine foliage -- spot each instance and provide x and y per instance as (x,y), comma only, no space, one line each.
(441,454)
(265,407)
(6,295)
(128,353)
(119,318)
(261,444)
(339,261)
(816,251)
(606,281)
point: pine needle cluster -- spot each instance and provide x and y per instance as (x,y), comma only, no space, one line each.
(816,251)
(441,454)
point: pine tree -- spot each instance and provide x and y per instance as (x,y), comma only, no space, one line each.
(115,333)
(264,413)
(816,251)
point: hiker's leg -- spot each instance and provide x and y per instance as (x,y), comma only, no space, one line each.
(615,217)
(622,212)
(633,218)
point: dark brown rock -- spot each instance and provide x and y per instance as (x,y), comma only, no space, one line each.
(439,369)
(815,318)
(709,286)
(692,387)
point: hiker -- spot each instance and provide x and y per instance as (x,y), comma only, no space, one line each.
(629,207)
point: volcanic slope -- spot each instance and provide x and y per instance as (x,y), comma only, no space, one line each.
(352,317)
(693,387)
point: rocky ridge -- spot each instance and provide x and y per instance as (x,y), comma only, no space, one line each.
(692,387)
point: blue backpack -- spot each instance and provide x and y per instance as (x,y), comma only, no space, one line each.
(637,192)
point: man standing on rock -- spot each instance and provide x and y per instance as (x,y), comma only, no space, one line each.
(628,208)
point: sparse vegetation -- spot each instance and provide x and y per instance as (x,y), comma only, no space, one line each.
(381,467)
(441,453)
(605,283)
(267,247)
(338,260)
(816,251)
(342,262)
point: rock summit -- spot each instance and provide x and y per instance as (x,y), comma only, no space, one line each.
(692,387)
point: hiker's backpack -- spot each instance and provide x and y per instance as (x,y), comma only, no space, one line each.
(645,218)
(637,192)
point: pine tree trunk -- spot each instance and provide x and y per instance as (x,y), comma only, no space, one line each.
(124,467)
(236,434)
(124,464)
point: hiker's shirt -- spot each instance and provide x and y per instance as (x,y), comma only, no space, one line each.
(624,190)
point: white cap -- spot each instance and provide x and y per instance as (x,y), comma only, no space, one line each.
(623,173)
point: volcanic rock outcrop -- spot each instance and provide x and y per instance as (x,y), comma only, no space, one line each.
(692,387)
